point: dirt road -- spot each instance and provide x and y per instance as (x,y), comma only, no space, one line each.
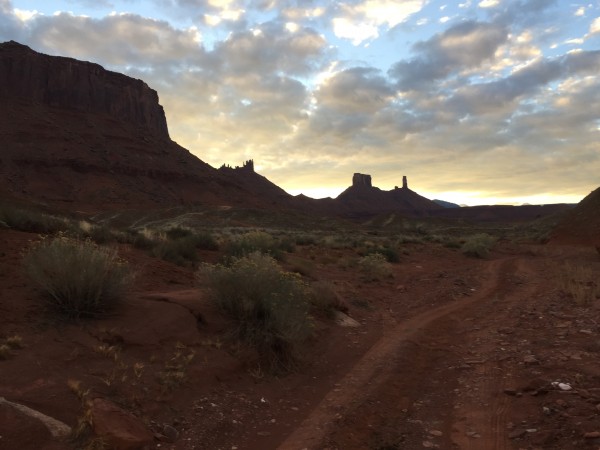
(443,379)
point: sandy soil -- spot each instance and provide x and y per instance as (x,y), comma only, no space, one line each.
(451,353)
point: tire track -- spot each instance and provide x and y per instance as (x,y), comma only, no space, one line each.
(489,410)
(374,368)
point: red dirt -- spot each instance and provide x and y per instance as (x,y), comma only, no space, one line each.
(452,353)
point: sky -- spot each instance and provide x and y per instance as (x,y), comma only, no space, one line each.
(475,101)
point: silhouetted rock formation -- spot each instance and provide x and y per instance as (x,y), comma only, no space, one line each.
(84,86)
(247,166)
(360,179)
(363,199)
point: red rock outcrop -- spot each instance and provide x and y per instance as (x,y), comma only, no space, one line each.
(76,136)
(364,199)
(581,225)
(79,85)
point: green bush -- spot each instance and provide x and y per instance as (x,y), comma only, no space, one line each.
(390,254)
(179,251)
(254,241)
(375,267)
(78,277)
(581,283)
(183,250)
(478,245)
(325,298)
(306,239)
(270,307)
(178,232)
(31,221)
(205,241)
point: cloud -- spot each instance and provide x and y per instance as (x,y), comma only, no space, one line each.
(463,46)
(95,4)
(116,40)
(356,89)
(595,26)
(496,96)
(489,3)
(362,21)
(272,48)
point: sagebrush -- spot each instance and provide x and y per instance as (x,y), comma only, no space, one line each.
(78,277)
(478,245)
(269,306)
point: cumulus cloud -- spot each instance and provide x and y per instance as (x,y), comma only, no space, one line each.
(463,46)
(489,97)
(116,40)
(10,26)
(361,21)
(272,47)
(595,26)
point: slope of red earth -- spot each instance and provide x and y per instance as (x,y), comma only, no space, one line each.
(450,353)
(582,224)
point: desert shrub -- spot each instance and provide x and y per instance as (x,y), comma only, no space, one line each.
(391,255)
(408,239)
(78,277)
(306,239)
(182,250)
(324,297)
(32,221)
(254,241)
(205,241)
(375,267)
(270,307)
(140,240)
(450,242)
(178,233)
(301,266)
(478,245)
(178,251)
(580,283)
(101,234)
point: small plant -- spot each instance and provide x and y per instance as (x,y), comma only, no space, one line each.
(176,368)
(79,278)
(325,298)
(32,221)
(178,233)
(108,351)
(5,352)
(579,282)
(306,239)
(478,245)
(390,254)
(254,241)
(179,251)
(15,342)
(182,245)
(375,267)
(301,266)
(270,307)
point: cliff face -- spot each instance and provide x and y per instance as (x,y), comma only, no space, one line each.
(77,136)
(77,85)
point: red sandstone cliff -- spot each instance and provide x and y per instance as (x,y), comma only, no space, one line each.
(83,86)
(75,135)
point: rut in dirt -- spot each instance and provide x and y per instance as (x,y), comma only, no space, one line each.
(378,371)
